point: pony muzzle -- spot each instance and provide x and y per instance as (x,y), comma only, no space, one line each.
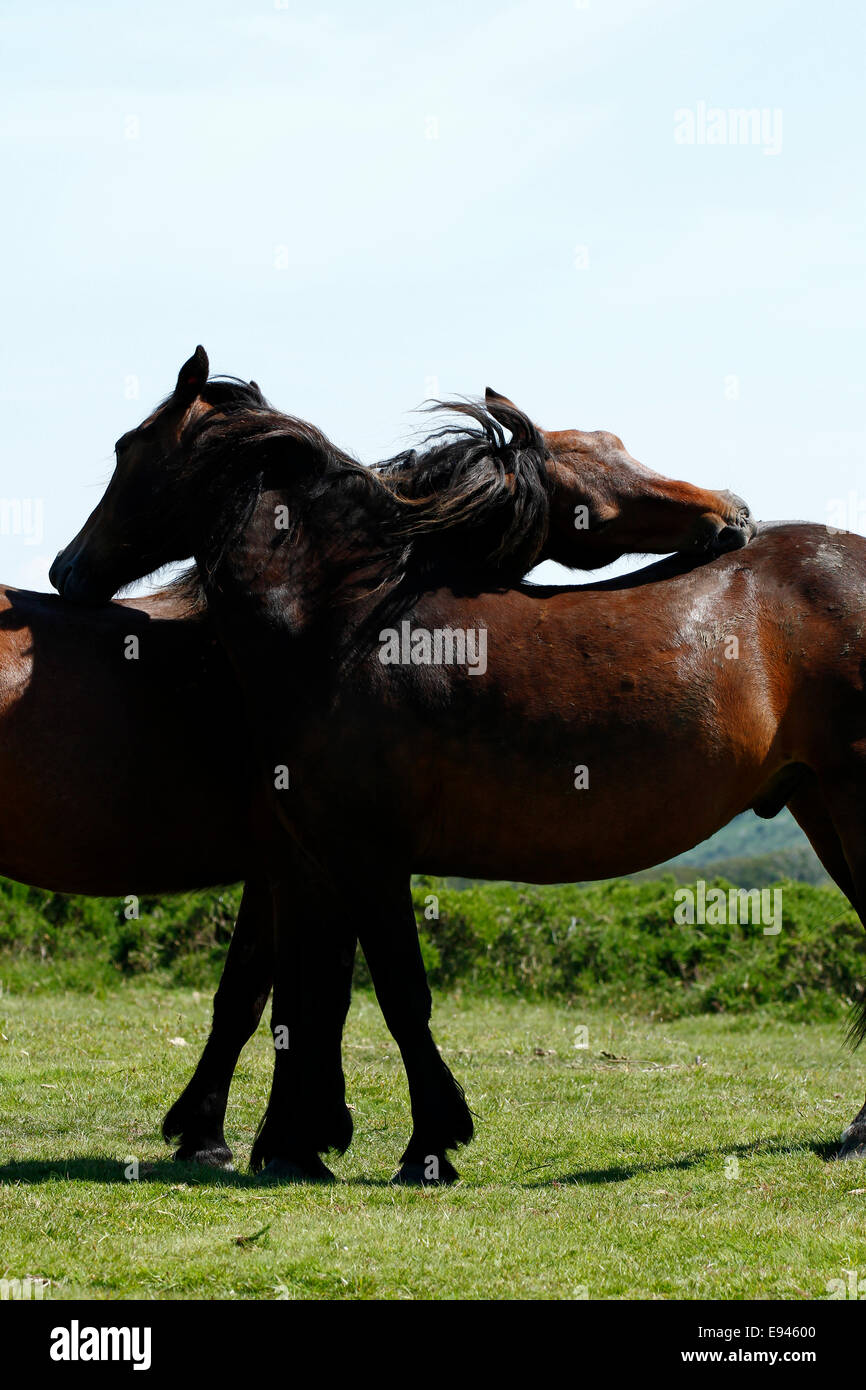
(72,582)
(737,529)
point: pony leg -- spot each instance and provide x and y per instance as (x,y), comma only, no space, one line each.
(440,1116)
(198,1116)
(307,1113)
(814,820)
(845,797)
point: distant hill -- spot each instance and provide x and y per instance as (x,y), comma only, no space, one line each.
(747,835)
(749,852)
(746,870)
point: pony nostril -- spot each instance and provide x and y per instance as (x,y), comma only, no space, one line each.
(739,514)
(730,538)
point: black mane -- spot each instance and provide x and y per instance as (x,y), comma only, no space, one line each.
(469,508)
(459,481)
(228,391)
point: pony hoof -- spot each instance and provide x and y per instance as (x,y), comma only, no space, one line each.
(287,1170)
(853,1142)
(433,1172)
(218,1156)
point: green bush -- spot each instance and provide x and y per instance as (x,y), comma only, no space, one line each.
(183,938)
(619,943)
(616,942)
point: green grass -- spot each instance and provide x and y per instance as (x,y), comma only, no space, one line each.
(606,1169)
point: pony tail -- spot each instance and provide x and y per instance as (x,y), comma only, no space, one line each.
(856,1033)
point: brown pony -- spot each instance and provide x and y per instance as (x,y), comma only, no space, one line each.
(611,726)
(123,755)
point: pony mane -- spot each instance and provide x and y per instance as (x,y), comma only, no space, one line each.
(477,482)
(469,508)
(230,391)
(226,392)
(186,593)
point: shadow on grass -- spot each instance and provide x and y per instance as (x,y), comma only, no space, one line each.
(826,1151)
(167,1170)
(112,1170)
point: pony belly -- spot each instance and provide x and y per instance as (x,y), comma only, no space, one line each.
(600,818)
(81,821)
(116,776)
(153,859)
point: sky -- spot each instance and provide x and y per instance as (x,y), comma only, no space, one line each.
(365,205)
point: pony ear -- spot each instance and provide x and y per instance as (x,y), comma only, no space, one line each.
(506,413)
(192,376)
(494,401)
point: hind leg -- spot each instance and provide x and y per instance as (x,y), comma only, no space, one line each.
(307,1113)
(814,820)
(441,1119)
(196,1119)
(844,793)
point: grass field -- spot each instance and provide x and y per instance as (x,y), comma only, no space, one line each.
(671,1160)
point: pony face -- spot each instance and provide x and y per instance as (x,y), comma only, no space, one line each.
(154,504)
(604,503)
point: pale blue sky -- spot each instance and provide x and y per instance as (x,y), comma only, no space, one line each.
(356,204)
